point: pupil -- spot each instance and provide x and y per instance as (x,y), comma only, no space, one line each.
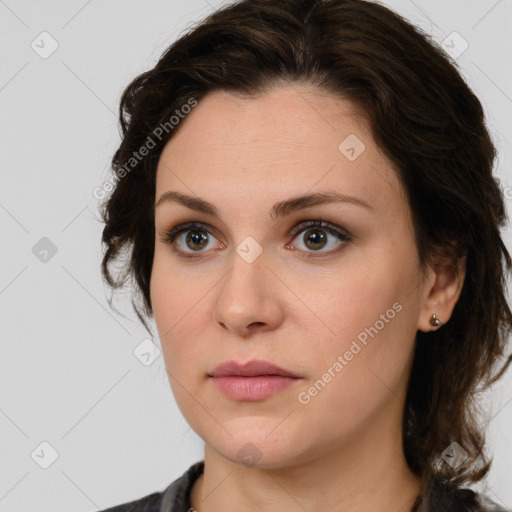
(197,238)
(317,238)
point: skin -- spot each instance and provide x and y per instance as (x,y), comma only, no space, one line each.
(342,450)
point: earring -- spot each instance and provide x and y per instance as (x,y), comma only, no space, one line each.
(435,321)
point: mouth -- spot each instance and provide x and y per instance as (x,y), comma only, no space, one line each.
(251,381)
(251,389)
(254,368)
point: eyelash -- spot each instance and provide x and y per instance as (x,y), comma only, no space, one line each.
(171,234)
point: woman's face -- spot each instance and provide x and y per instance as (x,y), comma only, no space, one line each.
(336,305)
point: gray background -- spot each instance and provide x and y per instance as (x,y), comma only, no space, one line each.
(68,373)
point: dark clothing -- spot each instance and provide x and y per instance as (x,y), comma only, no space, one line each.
(176,498)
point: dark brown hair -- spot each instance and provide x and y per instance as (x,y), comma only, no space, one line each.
(425,119)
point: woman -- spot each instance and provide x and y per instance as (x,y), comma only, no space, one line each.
(306,192)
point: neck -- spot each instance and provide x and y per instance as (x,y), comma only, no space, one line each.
(368,473)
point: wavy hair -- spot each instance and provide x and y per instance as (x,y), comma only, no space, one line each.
(426,120)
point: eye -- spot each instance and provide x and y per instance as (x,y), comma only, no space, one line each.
(318,236)
(191,238)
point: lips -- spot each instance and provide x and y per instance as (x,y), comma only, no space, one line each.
(252,381)
(253,368)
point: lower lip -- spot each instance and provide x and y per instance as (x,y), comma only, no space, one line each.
(249,389)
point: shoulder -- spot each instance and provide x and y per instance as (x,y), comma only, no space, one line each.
(175,498)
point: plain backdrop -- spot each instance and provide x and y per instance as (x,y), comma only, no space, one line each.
(84,423)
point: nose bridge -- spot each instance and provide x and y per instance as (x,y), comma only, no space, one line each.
(242,286)
(247,295)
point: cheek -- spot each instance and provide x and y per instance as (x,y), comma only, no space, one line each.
(355,373)
(181,359)
(173,293)
(181,310)
(351,300)
(369,325)
(168,305)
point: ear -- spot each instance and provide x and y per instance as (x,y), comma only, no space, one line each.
(442,293)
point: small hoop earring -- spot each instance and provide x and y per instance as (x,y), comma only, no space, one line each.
(435,321)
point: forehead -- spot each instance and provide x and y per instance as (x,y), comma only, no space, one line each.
(292,119)
(283,142)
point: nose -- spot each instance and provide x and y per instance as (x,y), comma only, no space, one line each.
(249,298)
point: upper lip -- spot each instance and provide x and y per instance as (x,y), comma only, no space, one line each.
(249,369)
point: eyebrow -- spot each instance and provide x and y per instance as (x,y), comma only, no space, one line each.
(279,210)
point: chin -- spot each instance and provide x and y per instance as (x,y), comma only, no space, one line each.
(255,448)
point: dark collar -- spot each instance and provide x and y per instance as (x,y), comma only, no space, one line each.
(443,497)
(176,498)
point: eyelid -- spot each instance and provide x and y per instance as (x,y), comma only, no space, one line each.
(169,236)
(343,236)
(318,223)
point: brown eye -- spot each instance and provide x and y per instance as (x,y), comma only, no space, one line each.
(315,239)
(318,235)
(196,239)
(191,240)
